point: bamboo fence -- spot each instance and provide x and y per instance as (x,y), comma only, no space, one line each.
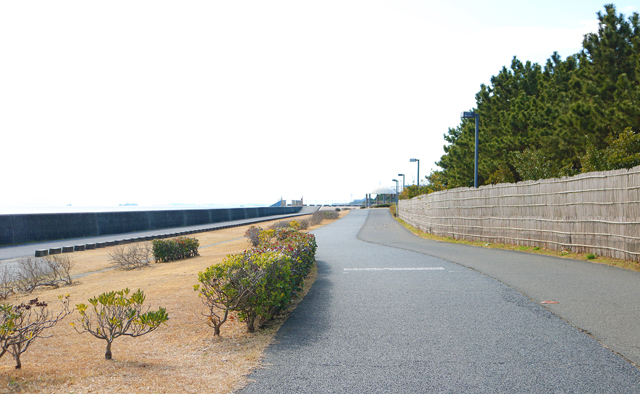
(596,212)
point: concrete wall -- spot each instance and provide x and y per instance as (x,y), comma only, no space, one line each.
(24,228)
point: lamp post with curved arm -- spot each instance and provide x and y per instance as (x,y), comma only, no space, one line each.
(413,161)
(396,181)
(476,116)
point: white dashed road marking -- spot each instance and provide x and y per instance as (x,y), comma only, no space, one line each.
(397,269)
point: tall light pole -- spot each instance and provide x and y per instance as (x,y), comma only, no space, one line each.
(396,181)
(476,116)
(402,175)
(413,161)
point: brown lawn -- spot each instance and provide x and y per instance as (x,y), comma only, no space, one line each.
(179,357)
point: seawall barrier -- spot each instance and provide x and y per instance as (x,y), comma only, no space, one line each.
(25,228)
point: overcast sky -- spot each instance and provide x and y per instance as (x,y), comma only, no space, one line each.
(158,102)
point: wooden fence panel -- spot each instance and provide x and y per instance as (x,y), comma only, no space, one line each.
(597,212)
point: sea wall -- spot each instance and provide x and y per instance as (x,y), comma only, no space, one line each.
(25,228)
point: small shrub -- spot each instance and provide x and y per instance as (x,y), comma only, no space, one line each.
(132,257)
(283,233)
(22,324)
(316,218)
(331,215)
(304,224)
(591,256)
(266,235)
(280,224)
(7,282)
(337,209)
(49,271)
(224,288)
(114,314)
(294,224)
(536,248)
(61,268)
(253,235)
(175,249)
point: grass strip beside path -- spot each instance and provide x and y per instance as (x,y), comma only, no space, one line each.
(626,264)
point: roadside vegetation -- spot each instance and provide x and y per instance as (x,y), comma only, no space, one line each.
(568,116)
(626,264)
(165,336)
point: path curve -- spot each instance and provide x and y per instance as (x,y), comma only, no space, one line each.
(380,319)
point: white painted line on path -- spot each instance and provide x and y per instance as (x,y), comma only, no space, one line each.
(397,269)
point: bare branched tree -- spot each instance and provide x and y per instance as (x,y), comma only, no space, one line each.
(49,271)
(31,273)
(21,325)
(60,267)
(7,283)
(131,257)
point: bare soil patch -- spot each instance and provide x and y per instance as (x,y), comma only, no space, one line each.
(181,357)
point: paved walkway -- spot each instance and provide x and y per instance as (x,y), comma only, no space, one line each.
(384,318)
(599,299)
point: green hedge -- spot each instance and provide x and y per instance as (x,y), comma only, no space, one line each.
(261,281)
(175,249)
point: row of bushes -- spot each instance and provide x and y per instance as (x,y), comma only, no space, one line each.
(175,249)
(254,285)
(302,224)
(319,216)
(260,282)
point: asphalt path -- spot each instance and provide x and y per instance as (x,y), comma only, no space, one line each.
(28,250)
(386,319)
(601,300)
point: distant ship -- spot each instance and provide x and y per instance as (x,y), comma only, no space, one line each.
(128,204)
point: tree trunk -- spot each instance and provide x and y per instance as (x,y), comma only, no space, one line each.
(250,322)
(107,355)
(16,355)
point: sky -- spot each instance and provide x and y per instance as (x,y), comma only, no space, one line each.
(245,102)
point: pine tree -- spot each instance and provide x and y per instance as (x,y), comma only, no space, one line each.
(577,114)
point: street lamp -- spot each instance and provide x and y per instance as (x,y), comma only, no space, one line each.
(413,161)
(402,175)
(476,116)
(396,181)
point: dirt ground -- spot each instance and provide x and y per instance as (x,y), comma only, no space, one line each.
(181,356)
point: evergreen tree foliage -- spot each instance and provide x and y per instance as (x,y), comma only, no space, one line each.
(574,115)
(435,182)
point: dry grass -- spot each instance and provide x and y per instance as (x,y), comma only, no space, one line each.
(182,356)
(626,264)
